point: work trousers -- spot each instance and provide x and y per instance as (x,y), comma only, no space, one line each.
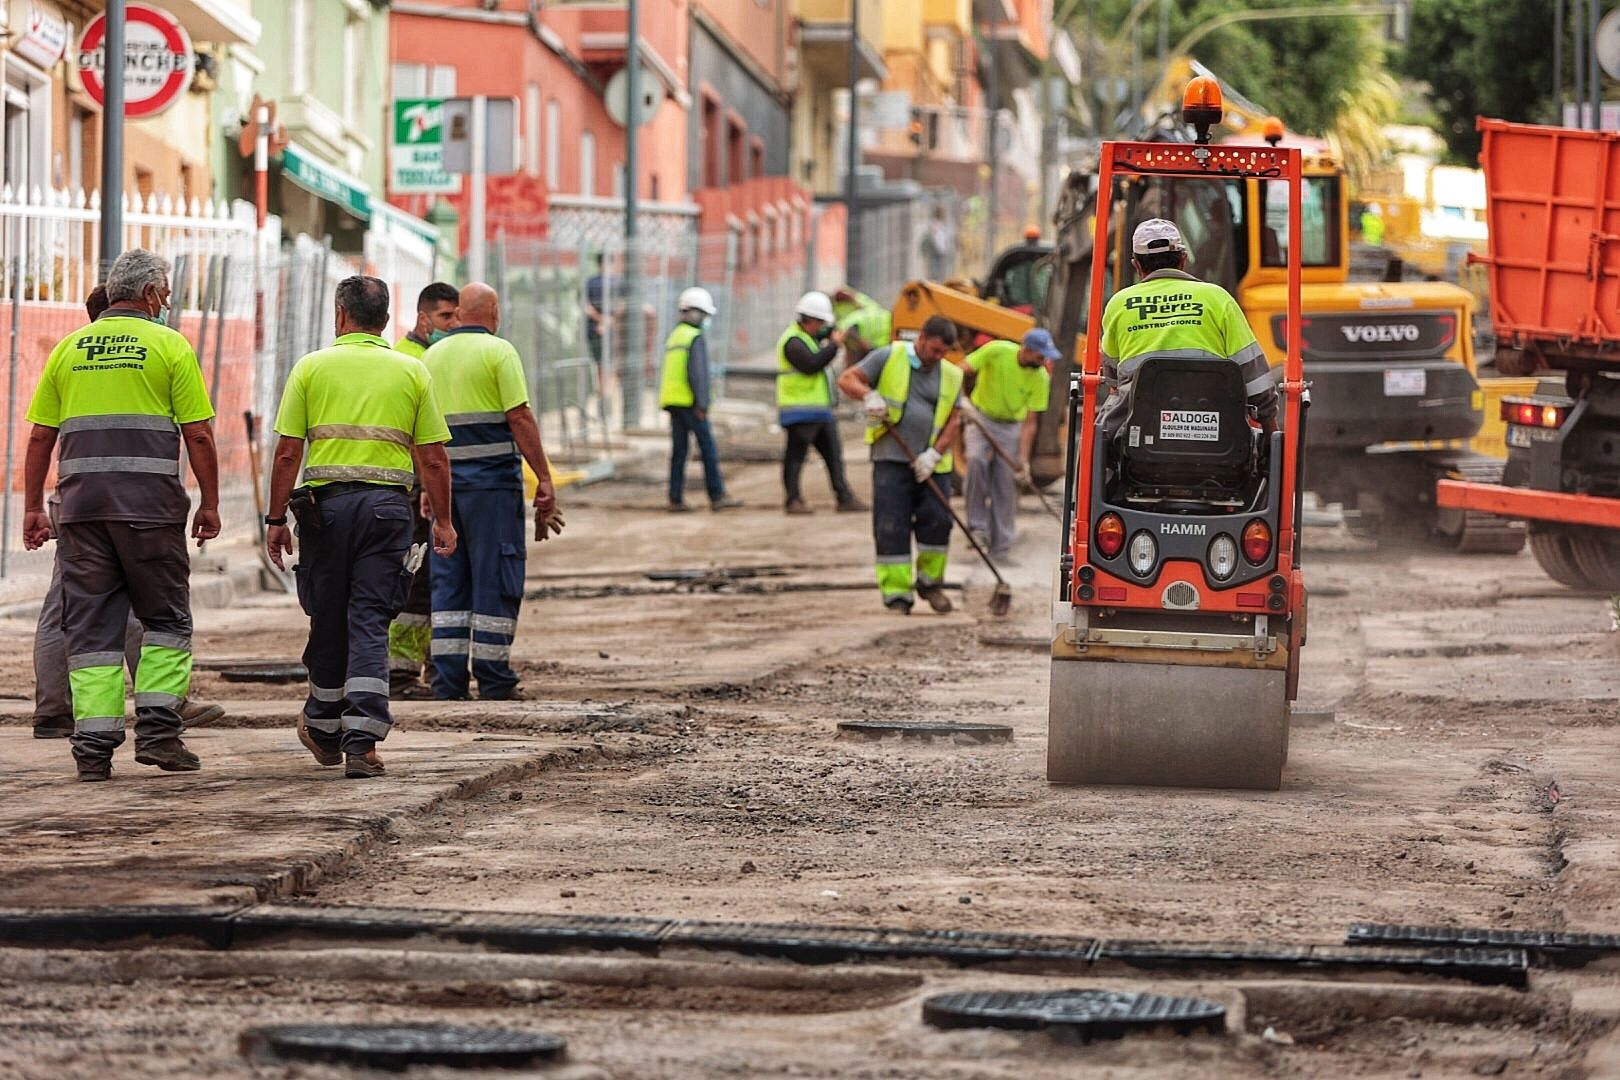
(992,487)
(902,509)
(408,634)
(108,569)
(476,595)
(685,426)
(53,703)
(352,581)
(823,435)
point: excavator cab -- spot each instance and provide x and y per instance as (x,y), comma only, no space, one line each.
(1180,609)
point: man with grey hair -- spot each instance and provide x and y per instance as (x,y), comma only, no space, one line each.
(121,395)
(368,414)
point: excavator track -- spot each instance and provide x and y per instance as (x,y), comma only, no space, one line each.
(1479,533)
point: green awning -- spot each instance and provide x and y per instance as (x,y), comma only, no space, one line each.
(326,181)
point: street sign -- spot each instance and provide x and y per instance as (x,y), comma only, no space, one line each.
(416,157)
(1606,43)
(157,60)
(499,135)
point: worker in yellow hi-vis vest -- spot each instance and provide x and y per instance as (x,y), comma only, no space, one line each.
(683,392)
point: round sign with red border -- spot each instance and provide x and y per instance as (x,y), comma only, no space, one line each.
(157,60)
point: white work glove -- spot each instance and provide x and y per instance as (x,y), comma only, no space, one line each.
(1023,476)
(923,467)
(877,409)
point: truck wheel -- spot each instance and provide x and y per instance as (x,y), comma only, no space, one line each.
(1552,551)
(1597,553)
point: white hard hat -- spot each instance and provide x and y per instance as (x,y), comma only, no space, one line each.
(696,299)
(1156,235)
(815,305)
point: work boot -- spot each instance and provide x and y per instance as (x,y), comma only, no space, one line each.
(53,727)
(197,713)
(900,605)
(323,756)
(362,766)
(935,595)
(797,507)
(852,505)
(724,502)
(170,755)
(679,508)
(91,772)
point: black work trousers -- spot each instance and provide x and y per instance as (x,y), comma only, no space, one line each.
(352,581)
(823,435)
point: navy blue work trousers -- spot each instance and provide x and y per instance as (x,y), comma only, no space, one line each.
(476,595)
(684,426)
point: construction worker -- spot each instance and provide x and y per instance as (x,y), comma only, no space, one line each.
(477,590)
(683,392)
(435,317)
(53,698)
(906,387)
(1168,309)
(408,634)
(368,415)
(862,323)
(1009,388)
(804,401)
(123,394)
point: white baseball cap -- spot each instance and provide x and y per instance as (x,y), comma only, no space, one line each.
(1156,235)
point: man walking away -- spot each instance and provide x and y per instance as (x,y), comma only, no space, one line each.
(477,590)
(122,394)
(1010,387)
(683,392)
(368,414)
(909,389)
(408,634)
(804,402)
(435,317)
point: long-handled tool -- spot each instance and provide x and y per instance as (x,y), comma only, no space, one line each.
(1007,460)
(258,501)
(1001,598)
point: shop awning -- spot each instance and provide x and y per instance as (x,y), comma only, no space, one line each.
(326,181)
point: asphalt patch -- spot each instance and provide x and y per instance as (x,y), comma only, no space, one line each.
(1082,1014)
(399,1046)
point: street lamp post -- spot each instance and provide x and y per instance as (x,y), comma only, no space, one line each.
(852,154)
(112,139)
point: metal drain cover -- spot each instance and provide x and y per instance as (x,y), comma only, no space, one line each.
(397,1046)
(1088,1014)
(273,671)
(928,729)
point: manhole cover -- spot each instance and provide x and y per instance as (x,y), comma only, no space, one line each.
(1088,1014)
(927,729)
(391,1046)
(267,672)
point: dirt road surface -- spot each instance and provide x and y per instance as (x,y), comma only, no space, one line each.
(678,758)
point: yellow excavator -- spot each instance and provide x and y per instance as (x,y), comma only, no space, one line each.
(1394,394)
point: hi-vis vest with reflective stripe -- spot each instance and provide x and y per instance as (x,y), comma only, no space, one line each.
(894,384)
(360,410)
(675,386)
(794,388)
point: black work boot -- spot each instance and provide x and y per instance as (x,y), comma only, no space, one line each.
(93,771)
(170,755)
(935,595)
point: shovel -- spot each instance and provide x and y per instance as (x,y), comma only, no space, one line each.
(258,501)
(1006,459)
(1001,598)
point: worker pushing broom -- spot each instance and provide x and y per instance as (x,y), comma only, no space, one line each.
(912,404)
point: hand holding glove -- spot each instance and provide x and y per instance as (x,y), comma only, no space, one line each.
(923,467)
(877,409)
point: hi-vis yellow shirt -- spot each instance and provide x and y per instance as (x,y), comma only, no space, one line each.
(362,406)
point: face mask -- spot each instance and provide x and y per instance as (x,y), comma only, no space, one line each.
(163,314)
(708,321)
(437,335)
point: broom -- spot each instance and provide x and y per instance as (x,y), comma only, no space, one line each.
(1001,598)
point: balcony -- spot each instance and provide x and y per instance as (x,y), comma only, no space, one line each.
(824,39)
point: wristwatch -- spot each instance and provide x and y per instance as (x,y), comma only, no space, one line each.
(282,520)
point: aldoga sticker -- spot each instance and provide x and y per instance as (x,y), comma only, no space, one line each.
(1190,426)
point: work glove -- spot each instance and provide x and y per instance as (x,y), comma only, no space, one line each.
(923,467)
(1023,476)
(548,524)
(877,409)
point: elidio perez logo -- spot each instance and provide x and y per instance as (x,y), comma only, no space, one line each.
(1368,333)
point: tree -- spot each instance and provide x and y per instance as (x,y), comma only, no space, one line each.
(1482,58)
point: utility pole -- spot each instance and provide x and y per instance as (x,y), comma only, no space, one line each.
(112,139)
(1558,61)
(1594,81)
(635,330)
(1580,66)
(852,155)
(992,100)
(477,260)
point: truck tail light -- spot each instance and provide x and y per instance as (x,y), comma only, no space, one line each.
(1448,329)
(1256,541)
(1533,413)
(1110,535)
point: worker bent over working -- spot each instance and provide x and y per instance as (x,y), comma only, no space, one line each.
(907,389)
(862,323)
(1168,312)
(123,393)
(368,414)
(1009,387)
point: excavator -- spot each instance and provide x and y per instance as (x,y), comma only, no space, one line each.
(1391,363)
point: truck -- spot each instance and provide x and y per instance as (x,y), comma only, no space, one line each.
(1553,264)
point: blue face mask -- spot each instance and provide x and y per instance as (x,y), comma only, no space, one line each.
(911,354)
(437,335)
(708,321)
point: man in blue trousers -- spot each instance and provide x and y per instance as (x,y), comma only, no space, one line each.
(479,381)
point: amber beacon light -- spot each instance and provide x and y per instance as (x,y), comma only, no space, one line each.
(1201,106)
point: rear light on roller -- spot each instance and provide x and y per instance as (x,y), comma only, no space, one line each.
(1222,557)
(1112,594)
(1256,541)
(1144,554)
(1251,600)
(1110,535)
